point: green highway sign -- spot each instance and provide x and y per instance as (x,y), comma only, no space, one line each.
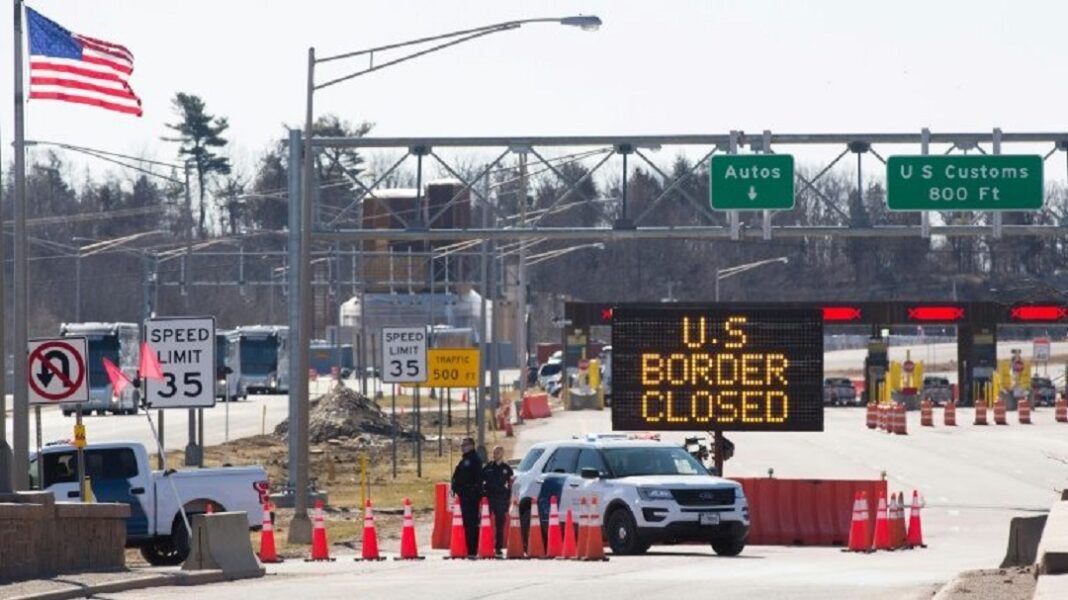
(752,182)
(988,182)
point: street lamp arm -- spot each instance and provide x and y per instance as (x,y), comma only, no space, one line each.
(412,56)
(580,21)
(732,271)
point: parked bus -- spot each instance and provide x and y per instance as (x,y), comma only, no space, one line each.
(323,357)
(119,342)
(261,356)
(226,342)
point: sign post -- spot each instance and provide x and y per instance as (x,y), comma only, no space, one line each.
(58,374)
(404,351)
(964,182)
(752,182)
(185,347)
(404,358)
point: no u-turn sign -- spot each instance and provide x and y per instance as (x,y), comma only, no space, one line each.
(57,371)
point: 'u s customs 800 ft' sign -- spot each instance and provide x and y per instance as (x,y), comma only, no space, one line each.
(956,182)
(717,368)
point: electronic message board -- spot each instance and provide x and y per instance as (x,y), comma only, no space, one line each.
(717,368)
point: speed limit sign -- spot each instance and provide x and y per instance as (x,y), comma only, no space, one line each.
(404,354)
(185,347)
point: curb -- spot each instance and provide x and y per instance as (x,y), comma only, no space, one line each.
(148,581)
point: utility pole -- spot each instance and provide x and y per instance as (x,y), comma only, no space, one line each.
(521,294)
(293,308)
(21,425)
(483,329)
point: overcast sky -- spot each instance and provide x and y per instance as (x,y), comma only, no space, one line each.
(684,66)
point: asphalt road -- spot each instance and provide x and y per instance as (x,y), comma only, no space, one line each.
(974,480)
(246,419)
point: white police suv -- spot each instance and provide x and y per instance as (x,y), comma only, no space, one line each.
(649,492)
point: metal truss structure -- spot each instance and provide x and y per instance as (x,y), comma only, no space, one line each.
(637,150)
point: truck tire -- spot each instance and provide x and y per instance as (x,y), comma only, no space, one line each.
(160,552)
(623,534)
(180,536)
(729,546)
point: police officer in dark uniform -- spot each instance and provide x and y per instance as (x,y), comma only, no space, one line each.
(467,484)
(497,481)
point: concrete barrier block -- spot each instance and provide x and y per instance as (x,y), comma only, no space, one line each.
(1024,535)
(42,498)
(77,510)
(221,541)
(1053,549)
(1051,587)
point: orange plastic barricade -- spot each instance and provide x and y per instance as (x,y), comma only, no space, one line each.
(439,539)
(949,416)
(536,406)
(809,512)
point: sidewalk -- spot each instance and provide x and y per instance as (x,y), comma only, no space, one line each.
(85,585)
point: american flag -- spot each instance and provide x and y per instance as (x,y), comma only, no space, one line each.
(75,68)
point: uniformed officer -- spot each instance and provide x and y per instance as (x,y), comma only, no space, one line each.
(467,484)
(497,482)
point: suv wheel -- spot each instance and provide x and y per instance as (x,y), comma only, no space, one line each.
(730,546)
(623,534)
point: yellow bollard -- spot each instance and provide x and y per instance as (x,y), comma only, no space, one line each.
(365,479)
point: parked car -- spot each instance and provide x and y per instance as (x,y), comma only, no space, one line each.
(1043,392)
(936,389)
(120,472)
(550,374)
(839,391)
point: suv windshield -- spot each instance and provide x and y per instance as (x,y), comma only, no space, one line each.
(651,460)
(550,369)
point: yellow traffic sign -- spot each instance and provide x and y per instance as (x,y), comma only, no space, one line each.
(452,368)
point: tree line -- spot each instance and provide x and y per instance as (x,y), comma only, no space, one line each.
(221,207)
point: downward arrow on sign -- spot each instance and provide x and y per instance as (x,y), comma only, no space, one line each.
(752,193)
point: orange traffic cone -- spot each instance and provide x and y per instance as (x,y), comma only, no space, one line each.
(583,525)
(871,419)
(554,547)
(369,549)
(268,552)
(535,545)
(594,549)
(858,528)
(897,528)
(1061,411)
(458,544)
(915,535)
(515,534)
(485,533)
(570,549)
(408,549)
(882,526)
(1023,411)
(320,550)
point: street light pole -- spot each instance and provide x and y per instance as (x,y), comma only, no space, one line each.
(300,528)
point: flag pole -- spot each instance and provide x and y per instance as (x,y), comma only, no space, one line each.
(20,318)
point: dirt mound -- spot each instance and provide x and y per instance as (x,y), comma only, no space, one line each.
(343,413)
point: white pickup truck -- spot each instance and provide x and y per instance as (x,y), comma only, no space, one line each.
(120,472)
